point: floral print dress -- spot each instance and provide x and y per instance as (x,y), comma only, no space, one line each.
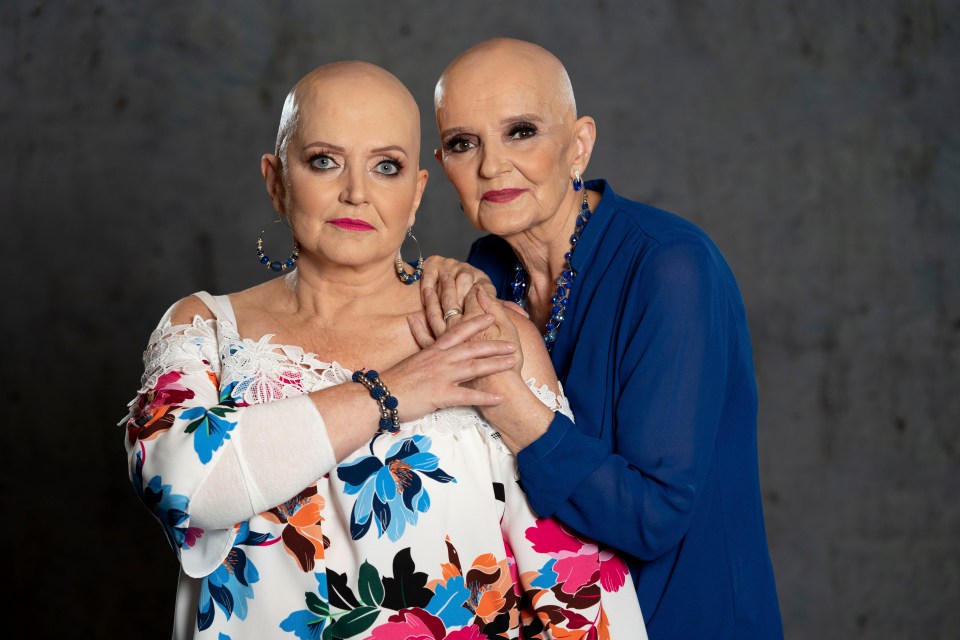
(424,534)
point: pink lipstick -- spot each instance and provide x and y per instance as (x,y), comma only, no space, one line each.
(503,195)
(351,224)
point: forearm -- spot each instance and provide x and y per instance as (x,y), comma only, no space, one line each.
(283,447)
(522,418)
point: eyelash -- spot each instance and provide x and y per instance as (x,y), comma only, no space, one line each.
(317,156)
(522,127)
(385,160)
(451,144)
(395,162)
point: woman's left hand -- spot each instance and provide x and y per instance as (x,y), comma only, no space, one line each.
(478,303)
(446,305)
(523,417)
(449,281)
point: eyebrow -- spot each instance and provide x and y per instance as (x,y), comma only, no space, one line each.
(523,117)
(392,147)
(321,143)
(333,147)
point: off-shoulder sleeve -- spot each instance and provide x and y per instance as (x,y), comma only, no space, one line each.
(671,378)
(185,428)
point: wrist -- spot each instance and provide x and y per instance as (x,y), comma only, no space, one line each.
(520,419)
(386,402)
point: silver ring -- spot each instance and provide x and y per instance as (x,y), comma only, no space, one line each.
(449,313)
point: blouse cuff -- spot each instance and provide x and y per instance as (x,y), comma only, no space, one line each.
(553,466)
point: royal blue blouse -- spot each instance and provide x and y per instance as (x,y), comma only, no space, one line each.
(655,358)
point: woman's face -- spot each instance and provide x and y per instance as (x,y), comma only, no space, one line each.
(507,145)
(351,186)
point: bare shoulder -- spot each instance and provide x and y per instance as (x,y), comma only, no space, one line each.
(186,309)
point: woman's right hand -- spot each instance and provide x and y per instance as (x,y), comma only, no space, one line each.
(434,377)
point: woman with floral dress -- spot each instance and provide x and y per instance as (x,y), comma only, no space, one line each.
(307,495)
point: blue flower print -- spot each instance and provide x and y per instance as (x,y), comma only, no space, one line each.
(169,508)
(231,584)
(308,624)
(210,427)
(391,490)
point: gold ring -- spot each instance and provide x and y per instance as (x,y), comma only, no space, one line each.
(449,313)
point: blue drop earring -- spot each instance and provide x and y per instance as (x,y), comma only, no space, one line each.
(577,181)
(276,265)
(410,278)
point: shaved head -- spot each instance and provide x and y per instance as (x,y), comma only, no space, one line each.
(499,60)
(510,139)
(346,81)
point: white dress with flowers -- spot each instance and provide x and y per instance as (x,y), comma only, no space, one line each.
(422,534)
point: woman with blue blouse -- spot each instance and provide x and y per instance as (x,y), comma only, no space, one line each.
(647,331)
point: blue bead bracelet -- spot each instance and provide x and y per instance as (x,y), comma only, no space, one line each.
(389,417)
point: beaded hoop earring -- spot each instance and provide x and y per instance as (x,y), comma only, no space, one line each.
(410,278)
(577,181)
(276,265)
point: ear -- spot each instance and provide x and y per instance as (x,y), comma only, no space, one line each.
(272,169)
(422,176)
(584,136)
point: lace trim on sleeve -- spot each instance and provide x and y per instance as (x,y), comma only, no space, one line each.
(190,348)
(554,401)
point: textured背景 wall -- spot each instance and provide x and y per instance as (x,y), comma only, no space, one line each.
(816,142)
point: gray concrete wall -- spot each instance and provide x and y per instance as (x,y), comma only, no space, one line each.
(817,142)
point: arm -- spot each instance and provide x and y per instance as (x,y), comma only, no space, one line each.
(669,396)
(201,459)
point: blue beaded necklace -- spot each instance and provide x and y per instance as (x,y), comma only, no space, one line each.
(564,281)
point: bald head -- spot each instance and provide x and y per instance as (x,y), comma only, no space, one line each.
(351,82)
(501,61)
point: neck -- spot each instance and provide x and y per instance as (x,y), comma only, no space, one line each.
(541,249)
(336,294)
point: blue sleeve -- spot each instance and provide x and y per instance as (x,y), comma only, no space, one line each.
(669,383)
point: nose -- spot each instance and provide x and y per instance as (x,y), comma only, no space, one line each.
(354,189)
(492,161)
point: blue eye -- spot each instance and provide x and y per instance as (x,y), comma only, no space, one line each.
(322,162)
(388,168)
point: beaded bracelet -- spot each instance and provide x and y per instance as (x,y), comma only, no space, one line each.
(389,418)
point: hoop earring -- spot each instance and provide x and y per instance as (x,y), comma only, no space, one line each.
(577,181)
(410,278)
(276,265)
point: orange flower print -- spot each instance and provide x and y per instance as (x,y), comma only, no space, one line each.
(303,535)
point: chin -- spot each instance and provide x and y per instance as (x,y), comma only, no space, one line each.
(504,231)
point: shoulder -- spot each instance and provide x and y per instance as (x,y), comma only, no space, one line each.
(663,254)
(627,218)
(183,311)
(662,243)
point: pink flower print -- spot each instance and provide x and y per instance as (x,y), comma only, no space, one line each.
(613,571)
(579,562)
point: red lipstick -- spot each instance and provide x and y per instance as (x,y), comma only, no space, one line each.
(503,195)
(351,224)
